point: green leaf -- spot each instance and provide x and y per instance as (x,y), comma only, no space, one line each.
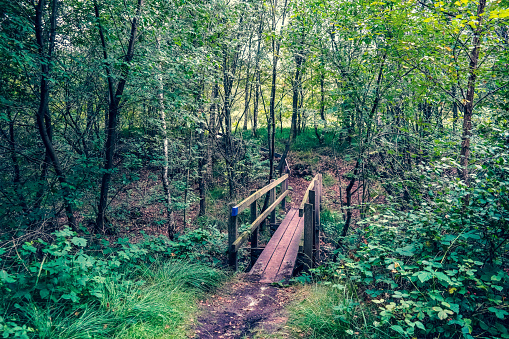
(44,293)
(398,329)
(499,313)
(406,251)
(419,325)
(424,276)
(442,315)
(441,276)
(79,241)
(6,277)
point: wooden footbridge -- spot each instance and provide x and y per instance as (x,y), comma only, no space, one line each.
(295,240)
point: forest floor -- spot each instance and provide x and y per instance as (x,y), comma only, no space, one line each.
(246,309)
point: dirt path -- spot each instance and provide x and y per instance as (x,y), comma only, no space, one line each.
(245,309)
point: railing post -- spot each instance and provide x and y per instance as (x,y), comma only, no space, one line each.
(233,233)
(318,193)
(313,195)
(284,187)
(254,236)
(272,198)
(308,236)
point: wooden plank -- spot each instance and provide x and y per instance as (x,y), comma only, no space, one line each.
(290,258)
(232,235)
(254,236)
(264,215)
(255,196)
(274,265)
(264,258)
(306,195)
(312,200)
(308,236)
(240,240)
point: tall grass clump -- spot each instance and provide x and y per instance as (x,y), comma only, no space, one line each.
(333,310)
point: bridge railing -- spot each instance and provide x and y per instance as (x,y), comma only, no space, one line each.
(310,210)
(234,240)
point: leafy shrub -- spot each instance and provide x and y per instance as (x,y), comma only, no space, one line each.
(440,267)
(72,288)
(328,180)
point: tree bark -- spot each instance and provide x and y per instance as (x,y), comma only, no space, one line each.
(349,199)
(469,100)
(247,92)
(212,131)
(276,44)
(113,110)
(201,172)
(164,169)
(228,77)
(299,59)
(43,114)
(257,75)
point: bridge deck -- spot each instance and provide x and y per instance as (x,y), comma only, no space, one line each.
(278,259)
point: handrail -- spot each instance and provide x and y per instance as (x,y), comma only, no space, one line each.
(306,195)
(245,235)
(234,241)
(255,196)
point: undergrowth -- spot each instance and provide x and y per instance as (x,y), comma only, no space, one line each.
(333,310)
(432,265)
(73,287)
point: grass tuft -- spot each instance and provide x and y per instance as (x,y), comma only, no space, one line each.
(333,311)
(187,275)
(52,322)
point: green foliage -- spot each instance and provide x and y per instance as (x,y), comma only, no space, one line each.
(72,289)
(438,268)
(332,224)
(328,180)
(334,310)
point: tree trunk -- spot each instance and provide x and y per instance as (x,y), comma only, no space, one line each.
(257,76)
(276,44)
(469,100)
(228,76)
(349,200)
(186,191)
(295,97)
(247,93)
(201,172)
(212,131)
(256,101)
(454,109)
(322,98)
(43,115)
(113,111)
(164,169)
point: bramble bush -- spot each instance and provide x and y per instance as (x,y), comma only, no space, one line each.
(70,284)
(439,266)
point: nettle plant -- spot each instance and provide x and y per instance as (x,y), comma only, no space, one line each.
(441,267)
